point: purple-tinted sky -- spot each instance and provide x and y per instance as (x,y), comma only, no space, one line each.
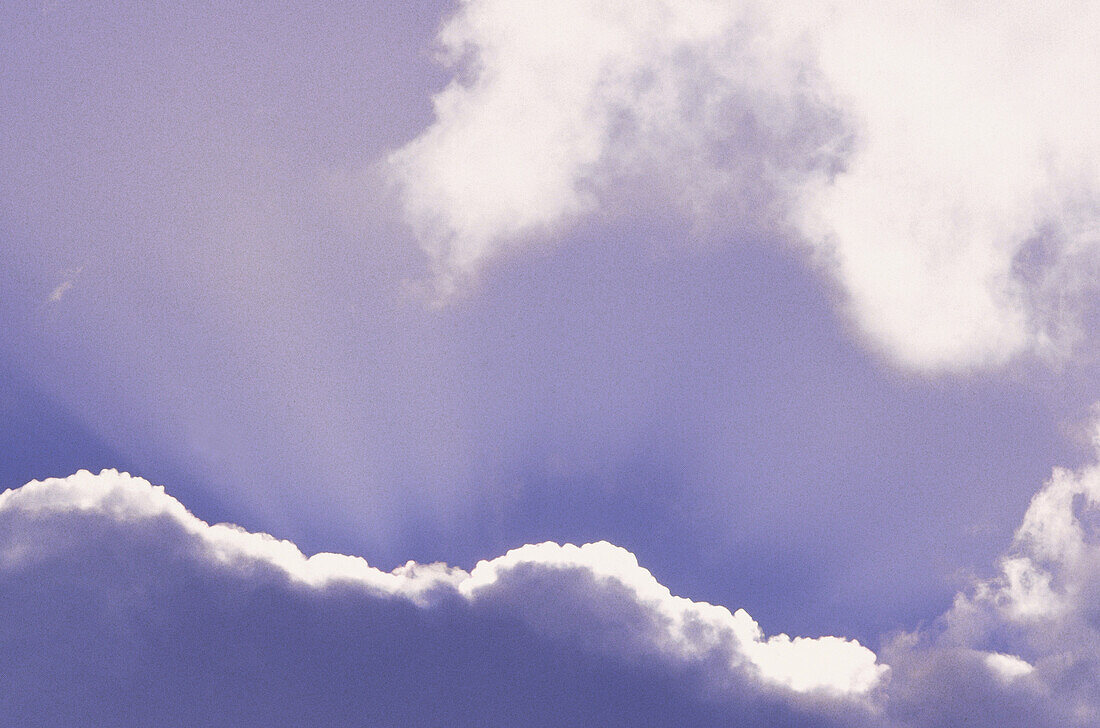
(799,317)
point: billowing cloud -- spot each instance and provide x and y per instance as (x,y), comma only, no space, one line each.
(1022,647)
(942,160)
(554,104)
(118,606)
(1044,604)
(166,607)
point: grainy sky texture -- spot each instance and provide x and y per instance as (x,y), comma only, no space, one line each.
(662,362)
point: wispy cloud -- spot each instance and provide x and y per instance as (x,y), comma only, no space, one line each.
(68,281)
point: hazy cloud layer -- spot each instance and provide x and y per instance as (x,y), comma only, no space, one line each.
(943,161)
(166,608)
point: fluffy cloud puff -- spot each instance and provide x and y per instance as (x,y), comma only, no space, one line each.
(1044,604)
(118,607)
(942,159)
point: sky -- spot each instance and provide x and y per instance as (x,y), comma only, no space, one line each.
(589,362)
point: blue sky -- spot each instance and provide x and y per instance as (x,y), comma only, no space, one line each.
(794,305)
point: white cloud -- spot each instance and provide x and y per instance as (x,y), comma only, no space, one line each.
(1008,667)
(974,139)
(124,498)
(1042,605)
(63,287)
(1055,561)
(945,158)
(691,629)
(595,576)
(165,598)
(561,92)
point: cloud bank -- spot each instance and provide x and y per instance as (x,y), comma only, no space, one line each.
(118,606)
(943,161)
(113,562)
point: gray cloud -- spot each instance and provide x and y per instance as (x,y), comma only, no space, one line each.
(118,606)
(121,608)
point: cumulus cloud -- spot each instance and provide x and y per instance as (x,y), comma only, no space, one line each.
(113,590)
(687,629)
(1042,606)
(551,100)
(943,159)
(1021,648)
(119,607)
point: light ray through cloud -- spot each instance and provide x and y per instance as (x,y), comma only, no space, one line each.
(595,363)
(595,599)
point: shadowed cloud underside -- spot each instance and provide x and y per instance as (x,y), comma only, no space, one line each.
(170,604)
